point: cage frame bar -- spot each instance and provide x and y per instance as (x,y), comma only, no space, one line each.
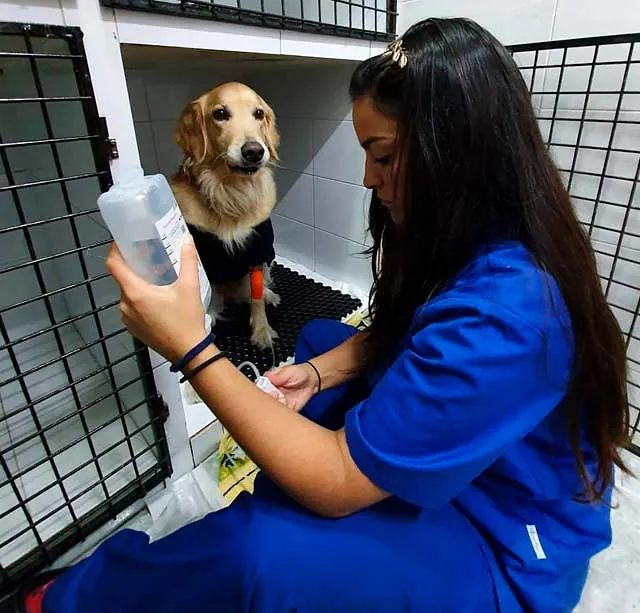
(200,9)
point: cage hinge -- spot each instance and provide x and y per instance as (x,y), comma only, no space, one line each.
(161,408)
(109,145)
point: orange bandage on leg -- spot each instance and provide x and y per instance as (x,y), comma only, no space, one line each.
(256,280)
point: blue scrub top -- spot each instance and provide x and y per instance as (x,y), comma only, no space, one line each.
(469,413)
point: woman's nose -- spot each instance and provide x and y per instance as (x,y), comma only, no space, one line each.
(371,178)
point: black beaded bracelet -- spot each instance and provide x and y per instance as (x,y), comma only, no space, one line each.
(317,375)
(202,366)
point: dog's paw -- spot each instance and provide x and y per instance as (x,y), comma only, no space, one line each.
(271,298)
(263,336)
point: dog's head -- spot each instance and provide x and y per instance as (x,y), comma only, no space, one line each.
(229,125)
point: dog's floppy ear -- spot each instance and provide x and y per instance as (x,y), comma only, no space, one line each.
(191,132)
(272,136)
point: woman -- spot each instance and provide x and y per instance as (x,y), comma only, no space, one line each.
(460,456)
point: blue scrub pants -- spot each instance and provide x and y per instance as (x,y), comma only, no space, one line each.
(265,553)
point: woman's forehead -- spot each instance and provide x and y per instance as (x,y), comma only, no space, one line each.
(370,124)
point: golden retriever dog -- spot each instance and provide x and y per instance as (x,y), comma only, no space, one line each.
(226,192)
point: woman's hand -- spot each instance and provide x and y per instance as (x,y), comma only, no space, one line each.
(297,383)
(167,318)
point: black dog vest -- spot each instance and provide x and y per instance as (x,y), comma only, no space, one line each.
(225,266)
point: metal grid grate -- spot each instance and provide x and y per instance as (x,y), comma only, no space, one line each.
(81,434)
(587,95)
(364,19)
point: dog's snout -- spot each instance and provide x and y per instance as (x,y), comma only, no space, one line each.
(252,152)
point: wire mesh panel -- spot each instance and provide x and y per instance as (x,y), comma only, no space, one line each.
(81,432)
(364,19)
(587,95)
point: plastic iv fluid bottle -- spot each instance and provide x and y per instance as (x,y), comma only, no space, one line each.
(144,219)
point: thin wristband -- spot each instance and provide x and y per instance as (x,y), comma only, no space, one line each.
(193,352)
(317,375)
(202,366)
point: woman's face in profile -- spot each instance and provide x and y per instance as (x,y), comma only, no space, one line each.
(377,135)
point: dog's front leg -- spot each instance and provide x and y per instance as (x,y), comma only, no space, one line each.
(270,297)
(262,334)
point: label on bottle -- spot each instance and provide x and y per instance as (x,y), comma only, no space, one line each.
(173,230)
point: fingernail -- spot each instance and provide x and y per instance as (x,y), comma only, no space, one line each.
(188,239)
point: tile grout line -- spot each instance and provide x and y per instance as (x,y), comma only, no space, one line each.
(311,174)
(321,230)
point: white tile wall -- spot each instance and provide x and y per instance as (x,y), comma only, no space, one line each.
(168,154)
(338,258)
(341,208)
(294,241)
(294,43)
(338,154)
(167,100)
(296,143)
(136,89)
(523,21)
(295,195)
(312,91)
(578,18)
(516,21)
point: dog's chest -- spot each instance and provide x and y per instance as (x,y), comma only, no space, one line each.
(224,262)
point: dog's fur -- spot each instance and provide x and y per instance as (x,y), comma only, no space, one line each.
(218,191)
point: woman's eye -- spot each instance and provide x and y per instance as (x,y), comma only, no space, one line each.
(383,161)
(221,114)
(259,114)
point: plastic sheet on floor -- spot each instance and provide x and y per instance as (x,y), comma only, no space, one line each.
(185,500)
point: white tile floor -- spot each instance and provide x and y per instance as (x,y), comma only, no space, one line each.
(28,456)
(613,585)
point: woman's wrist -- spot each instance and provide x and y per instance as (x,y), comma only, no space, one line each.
(204,355)
(203,361)
(316,373)
(188,343)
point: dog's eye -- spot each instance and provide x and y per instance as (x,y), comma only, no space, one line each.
(221,114)
(259,114)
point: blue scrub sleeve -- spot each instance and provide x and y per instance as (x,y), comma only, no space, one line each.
(473,380)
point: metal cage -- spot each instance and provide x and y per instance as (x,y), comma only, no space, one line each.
(364,19)
(81,423)
(587,96)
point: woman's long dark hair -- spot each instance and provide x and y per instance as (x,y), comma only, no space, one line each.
(475,169)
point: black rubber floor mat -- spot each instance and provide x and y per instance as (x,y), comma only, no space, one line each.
(301,301)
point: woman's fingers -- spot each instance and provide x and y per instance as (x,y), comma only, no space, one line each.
(117,267)
(280,376)
(189,264)
(274,376)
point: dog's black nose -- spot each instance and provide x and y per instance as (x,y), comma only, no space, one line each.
(252,152)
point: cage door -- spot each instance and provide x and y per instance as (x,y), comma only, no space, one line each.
(81,423)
